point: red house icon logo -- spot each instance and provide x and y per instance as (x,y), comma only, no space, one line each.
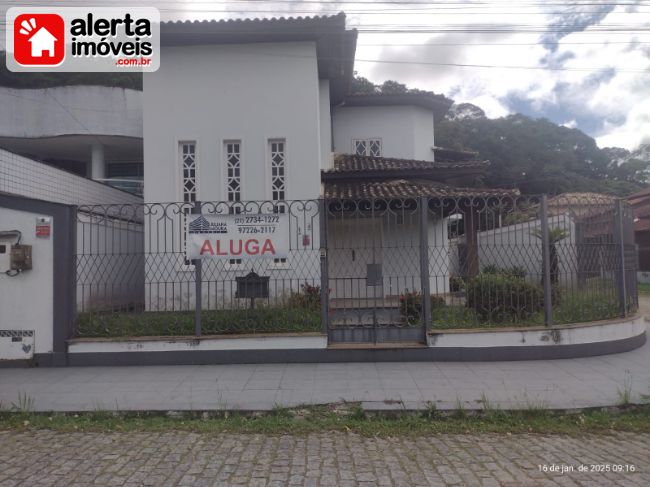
(39,39)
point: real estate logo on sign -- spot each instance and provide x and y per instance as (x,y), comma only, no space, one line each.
(237,236)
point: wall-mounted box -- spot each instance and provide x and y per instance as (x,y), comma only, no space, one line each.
(21,257)
(16,344)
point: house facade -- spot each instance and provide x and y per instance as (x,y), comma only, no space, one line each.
(247,112)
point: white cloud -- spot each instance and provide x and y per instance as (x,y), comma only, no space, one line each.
(612,109)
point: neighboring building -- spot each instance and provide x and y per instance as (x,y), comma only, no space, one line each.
(640,202)
(92,131)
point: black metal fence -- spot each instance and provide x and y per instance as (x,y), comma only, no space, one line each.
(367,270)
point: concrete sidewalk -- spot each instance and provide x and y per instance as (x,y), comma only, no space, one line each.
(571,383)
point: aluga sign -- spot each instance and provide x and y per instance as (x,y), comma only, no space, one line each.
(237,236)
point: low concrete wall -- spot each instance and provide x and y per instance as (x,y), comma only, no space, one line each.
(461,346)
(175,344)
(579,334)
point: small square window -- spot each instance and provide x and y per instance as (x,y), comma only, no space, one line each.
(367,147)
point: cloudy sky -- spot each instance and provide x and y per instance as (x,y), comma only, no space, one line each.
(583,64)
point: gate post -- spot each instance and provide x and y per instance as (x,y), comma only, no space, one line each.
(619,241)
(546,262)
(424,265)
(198,282)
(324,277)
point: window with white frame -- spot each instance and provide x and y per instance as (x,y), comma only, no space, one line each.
(278,173)
(367,147)
(188,171)
(188,162)
(233,170)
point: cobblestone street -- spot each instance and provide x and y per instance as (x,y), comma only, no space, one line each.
(44,458)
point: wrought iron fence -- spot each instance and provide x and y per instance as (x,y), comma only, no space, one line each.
(361,270)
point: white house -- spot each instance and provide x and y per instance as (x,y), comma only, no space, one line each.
(42,41)
(261,110)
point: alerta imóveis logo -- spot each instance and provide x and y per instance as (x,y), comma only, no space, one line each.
(83,39)
(39,39)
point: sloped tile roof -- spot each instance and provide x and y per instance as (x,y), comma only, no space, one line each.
(258,20)
(401,188)
(355,163)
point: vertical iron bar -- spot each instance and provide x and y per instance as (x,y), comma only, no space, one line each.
(424,265)
(324,277)
(198,282)
(619,237)
(546,262)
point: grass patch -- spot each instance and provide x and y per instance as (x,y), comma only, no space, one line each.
(317,419)
(265,319)
(643,287)
(592,303)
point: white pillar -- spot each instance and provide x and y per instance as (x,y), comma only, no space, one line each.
(98,165)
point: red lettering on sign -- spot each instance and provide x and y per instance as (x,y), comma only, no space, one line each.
(252,247)
(206,248)
(219,252)
(237,247)
(268,247)
(232,248)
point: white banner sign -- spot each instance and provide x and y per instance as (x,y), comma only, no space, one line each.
(237,236)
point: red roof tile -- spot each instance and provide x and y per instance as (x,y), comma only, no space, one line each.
(401,188)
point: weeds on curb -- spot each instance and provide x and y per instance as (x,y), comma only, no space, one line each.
(459,410)
(431,411)
(625,394)
(25,403)
(356,412)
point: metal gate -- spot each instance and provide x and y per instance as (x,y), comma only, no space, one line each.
(375,270)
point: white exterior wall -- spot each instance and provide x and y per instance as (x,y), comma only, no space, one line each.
(27,300)
(110,263)
(252,93)
(219,93)
(96,110)
(26,177)
(326,160)
(395,246)
(516,245)
(405,131)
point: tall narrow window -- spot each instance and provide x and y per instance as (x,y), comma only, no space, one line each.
(367,147)
(233,170)
(188,164)
(278,160)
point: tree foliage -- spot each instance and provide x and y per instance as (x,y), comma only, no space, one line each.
(538,156)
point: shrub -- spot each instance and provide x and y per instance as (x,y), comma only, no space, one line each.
(456,283)
(309,297)
(437,301)
(503,297)
(410,305)
(515,271)
(491,269)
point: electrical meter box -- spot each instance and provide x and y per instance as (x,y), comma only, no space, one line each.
(21,258)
